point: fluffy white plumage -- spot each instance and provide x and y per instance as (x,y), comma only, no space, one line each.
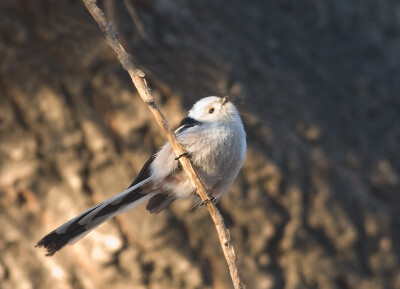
(215,141)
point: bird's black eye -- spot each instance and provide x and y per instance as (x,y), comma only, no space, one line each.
(211,110)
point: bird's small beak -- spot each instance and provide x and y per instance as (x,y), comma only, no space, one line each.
(225,100)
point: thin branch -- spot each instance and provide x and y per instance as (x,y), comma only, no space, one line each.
(137,77)
(135,18)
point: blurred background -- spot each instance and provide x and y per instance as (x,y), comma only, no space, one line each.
(316,204)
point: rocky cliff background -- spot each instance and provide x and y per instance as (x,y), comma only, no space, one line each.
(317,202)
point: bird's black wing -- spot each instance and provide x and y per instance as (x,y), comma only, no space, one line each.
(186,123)
(144,172)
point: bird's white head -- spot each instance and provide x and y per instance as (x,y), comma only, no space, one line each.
(214,109)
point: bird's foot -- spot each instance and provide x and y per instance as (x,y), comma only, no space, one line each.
(181,155)
(205,202)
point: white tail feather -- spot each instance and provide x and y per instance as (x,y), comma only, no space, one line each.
(90,221)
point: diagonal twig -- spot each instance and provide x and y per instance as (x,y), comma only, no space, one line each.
(137,77)
(135,18)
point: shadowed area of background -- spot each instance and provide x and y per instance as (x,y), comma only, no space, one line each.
(316,204)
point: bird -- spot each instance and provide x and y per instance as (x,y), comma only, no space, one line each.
(214,140)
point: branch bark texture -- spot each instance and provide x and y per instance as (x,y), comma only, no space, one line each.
(139,81)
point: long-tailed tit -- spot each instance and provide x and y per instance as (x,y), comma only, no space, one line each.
(215,141)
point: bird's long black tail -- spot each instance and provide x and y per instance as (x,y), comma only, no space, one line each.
(82,224)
